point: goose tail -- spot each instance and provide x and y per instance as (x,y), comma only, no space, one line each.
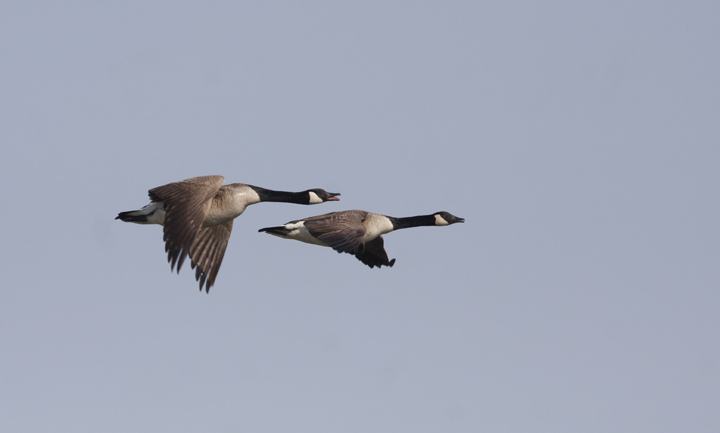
(277,231)
(154,213)
(133,216)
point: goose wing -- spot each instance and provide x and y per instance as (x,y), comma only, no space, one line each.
(342,231)
(374,254)
(207,252)
(186,205)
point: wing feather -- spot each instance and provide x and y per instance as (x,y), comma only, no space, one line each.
(374,254)
(208,251)
(342,231)
(186,205)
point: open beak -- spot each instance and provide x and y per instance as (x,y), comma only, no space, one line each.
(458,220)
(333,196)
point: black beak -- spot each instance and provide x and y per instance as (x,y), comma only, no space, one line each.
(457,220)
(332,196)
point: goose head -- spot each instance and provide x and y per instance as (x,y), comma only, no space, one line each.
(446,218)
(317,195)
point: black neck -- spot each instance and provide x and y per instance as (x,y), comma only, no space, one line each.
(413,221)
(282,196)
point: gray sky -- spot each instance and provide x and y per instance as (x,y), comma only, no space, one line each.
(579,140)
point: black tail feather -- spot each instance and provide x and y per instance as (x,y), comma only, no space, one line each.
(279,230)
(125,216)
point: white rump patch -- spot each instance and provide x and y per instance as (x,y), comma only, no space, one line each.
(299,232)
(155,213)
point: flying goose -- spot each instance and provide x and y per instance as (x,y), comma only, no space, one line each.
(356,232)
(198,213)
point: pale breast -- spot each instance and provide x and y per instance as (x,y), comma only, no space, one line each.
(229,203)
(376,225)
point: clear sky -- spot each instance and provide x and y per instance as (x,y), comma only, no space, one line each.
(579,140)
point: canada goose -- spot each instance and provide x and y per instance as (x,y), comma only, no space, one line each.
(198,213)
(356,232)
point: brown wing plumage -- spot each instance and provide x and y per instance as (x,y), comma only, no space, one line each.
(207,252)
(341,231)
(374,254)
(186,205)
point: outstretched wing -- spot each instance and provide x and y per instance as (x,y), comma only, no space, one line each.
(207,252)
(186,205)
(341,231)
(374,254)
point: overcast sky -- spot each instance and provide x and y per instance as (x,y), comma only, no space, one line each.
(579,140)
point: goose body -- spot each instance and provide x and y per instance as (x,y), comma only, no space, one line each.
(356,232)
(197,216)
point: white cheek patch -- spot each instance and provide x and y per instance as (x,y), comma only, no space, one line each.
(314,199)
(440,221)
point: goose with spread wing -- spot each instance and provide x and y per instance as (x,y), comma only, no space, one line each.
(197,217)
